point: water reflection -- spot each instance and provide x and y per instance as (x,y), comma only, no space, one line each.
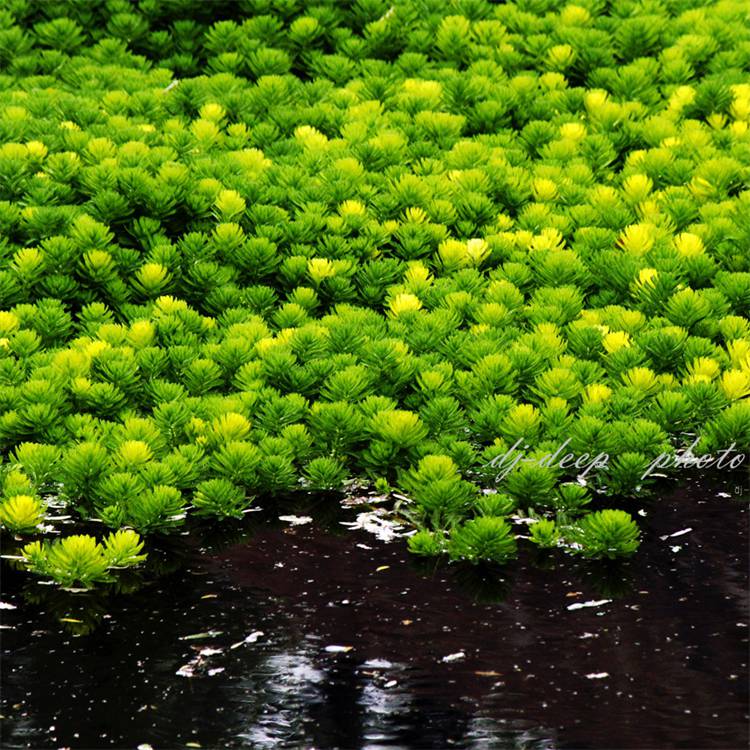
(291,686)
(345,703)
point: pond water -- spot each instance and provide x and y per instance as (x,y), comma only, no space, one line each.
(315,636)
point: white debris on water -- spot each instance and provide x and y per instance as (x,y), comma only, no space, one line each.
(377,523)
(592,603)
(676,533)
(198,663)
(522,519)
(354,500)
(458,656)
(296,520)
(186,670)
(597,675)
(252,638)
(338,649)
(378,664)
(6,605)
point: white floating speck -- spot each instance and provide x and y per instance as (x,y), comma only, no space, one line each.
(374,522)
(677,533)
(676,548)
(6,605)
(338,649)
(524,520)
(215,670)
(593,603)
(252,638)
(378,664)
(597,675)
(296,520)
(391,683)
(458,656)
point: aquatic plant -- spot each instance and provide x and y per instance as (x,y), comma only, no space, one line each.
(438,490)
(21,513)
(325,474)
(81,559)
(220,498)
(300,247)
(544,533)
(495,504)
(427,543)
(606,533)
(122,549)
(483,539)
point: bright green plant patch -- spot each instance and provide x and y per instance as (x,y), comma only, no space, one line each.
(81,559)
(255,247)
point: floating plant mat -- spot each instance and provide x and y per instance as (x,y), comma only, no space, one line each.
(487,260)
(302,636)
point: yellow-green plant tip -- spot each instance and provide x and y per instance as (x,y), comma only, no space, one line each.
(22,513)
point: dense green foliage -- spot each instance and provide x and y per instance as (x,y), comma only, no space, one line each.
(269,245)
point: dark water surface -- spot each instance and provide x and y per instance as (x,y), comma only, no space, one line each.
(314,636)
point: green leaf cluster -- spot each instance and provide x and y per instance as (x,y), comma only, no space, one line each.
(254,247)
(80,559)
